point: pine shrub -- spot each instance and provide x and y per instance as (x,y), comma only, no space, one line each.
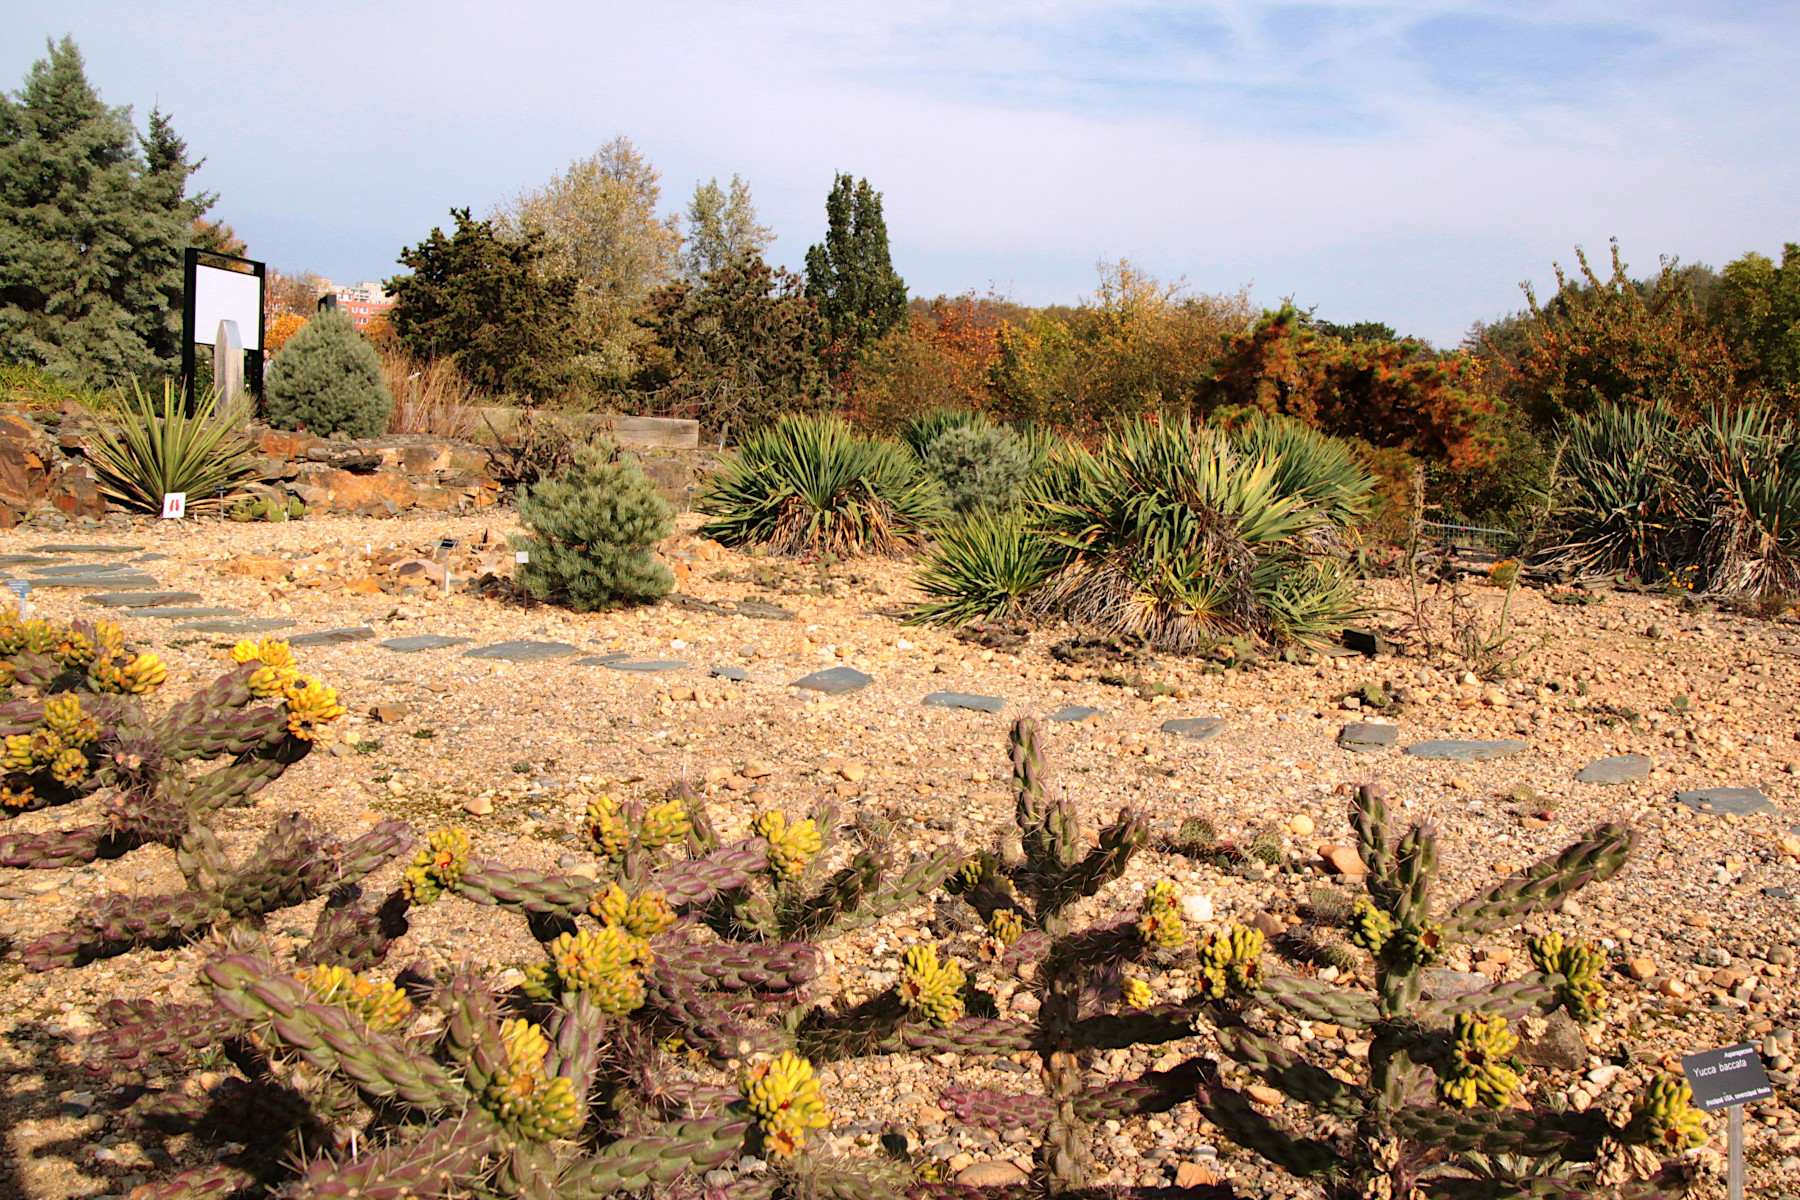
(592,529)
(328,379)
(981,467)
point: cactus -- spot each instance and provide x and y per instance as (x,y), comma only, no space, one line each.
(267,508)
(1579,964)
(784,1098)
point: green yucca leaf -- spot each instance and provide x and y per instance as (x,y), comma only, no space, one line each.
(155,448)
(983,568)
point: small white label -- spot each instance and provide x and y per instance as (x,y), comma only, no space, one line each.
(174,506)
(19,587)
(521,556)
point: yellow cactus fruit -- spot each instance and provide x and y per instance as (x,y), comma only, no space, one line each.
(17,756)
(1137,993)
(606,833)
(39,637)
(379,1004)
(968,877)
(1160,923)
(143,673)
(63,715)
(931,988)
(311,706)
(1666,1117)
(1416,945)
(1579,964)
(784,1098)
(1006,926)
(22,798)
(75,650)
(46,744)
(438,867)
(1230,962)
(271,652)
(266,682)
(642,916)
(69,767)
(1370,927)
(1479,1072)
(522,1096)
(666,824)
(791,847)
(604,965)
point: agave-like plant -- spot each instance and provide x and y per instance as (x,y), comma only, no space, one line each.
(1172,533)
(811,485)
(1628,493)
(984,568)
(1750,459)
(156,448)
(1310,465)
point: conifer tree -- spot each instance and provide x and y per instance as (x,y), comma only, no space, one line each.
(328,378)
(850,274)
(592,529)
(92,229)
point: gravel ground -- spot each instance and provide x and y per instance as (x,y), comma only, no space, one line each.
(1705,914)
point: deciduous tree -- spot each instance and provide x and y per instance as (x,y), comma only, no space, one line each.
(722,228)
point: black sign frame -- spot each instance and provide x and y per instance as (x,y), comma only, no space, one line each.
(1728,1076)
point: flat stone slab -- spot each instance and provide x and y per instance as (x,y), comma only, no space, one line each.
(1621,768)
(986,704)
(1737,801)
(1074,714)
(66,548)
(1452,750)
(764,611)
(1442,981)
(143,599)
(185,614)
(1195,729)
(333,637)
(834,681)
(86,569)
(23,560)
(646,666)
(599,660)
(252,625)
(423,641)
(1366,736)
(735,674)
(523,651)
(121,581)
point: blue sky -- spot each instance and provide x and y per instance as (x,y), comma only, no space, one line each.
(1405,162)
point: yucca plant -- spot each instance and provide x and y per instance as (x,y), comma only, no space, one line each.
(1310,465)
(157,448)
(925,428)
(1628,502)
(1750,465)
(984,568)
(810,485)
(1173,534)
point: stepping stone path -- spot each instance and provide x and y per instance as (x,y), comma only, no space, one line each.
(834,681)
(1621,768)
(1195,729)
(1366,737)
(117,581)
(1074,714)
(735,674)
(333,637)
(251,625)
(987,704)
(1717,801)
(523,651)
(60,548)
(185,614)
(23,560)
(599,660)
(142,599)
(1452,750)
(648,666)
(85,569)
(764,611)
(422,641)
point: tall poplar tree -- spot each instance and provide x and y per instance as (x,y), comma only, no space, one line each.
(850,275)
(93,223)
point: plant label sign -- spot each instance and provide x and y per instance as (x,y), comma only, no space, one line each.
(174,506)
(521,557)
(1726,1077)
(19,587)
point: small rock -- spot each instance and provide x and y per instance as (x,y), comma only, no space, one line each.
(1640,969)
(1193,1175)
(1736,801)
(1196,908)
(1453,750)
(992,1172)
(1263,1094)
(1559,1048)
(1672,988)
(854,772)
(478,806)
(757,770)
(1344,860)
(1195,729)
(1621,768)
(1301,826)
(717,1179)
(1365,737)
(387,714)
(1268,924)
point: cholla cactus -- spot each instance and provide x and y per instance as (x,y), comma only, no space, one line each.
(135,676)
(931,988)
(1480,1070)
(642,916)
(438,867)
(665,824)
(1665,1116)
(1579,964)
(791,847)
(605,965)
(1161,924)
(606,833)
(1136,993)
(381,1006)
(784,1097)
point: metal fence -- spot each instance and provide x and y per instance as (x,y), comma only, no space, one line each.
(1475,537)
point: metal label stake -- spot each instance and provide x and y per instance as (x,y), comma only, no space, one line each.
(1729,1078)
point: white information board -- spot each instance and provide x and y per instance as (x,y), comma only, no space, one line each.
(221,295)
